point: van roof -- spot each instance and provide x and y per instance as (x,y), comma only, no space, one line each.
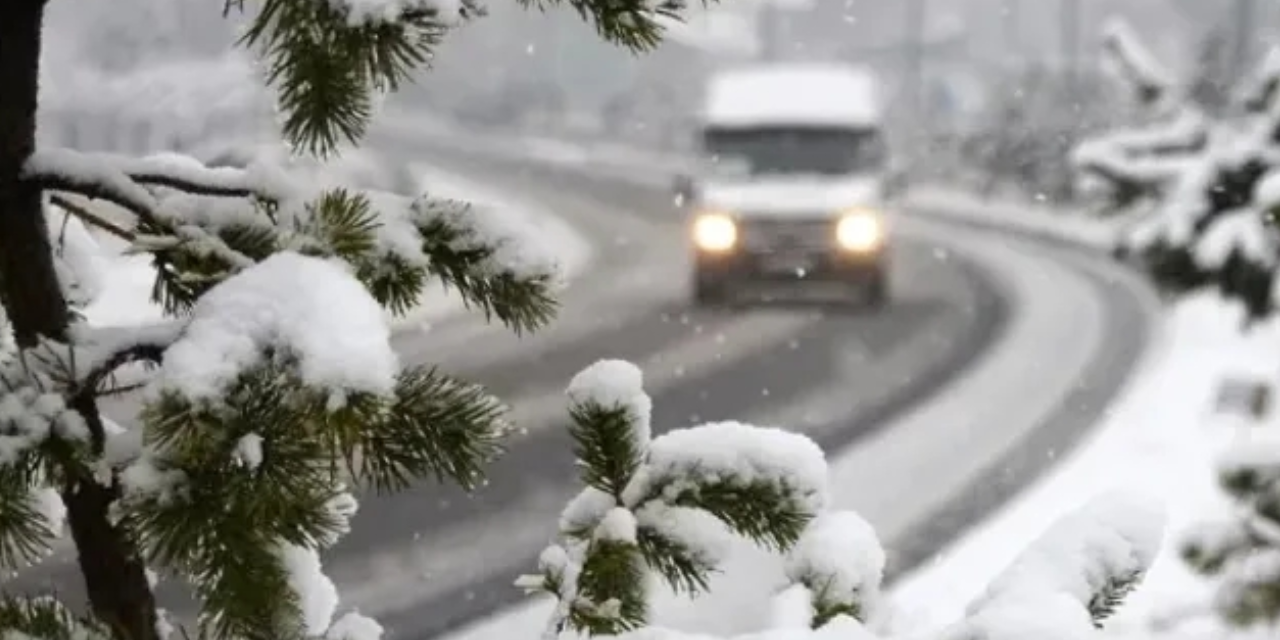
(793,93)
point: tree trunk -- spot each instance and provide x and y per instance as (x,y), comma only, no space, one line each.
(30,286)
(115,577)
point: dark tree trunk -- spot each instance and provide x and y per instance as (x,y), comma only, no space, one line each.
(115,577)
(30,286)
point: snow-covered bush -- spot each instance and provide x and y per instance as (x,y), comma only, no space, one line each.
(1199,184)
(1136,164)
(1242,550)
(274,393)
(662,507)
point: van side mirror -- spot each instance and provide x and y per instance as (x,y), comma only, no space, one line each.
(682,187)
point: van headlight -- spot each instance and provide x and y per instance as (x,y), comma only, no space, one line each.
(860,230)
(715,232)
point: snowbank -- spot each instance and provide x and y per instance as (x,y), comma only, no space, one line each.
(1158,440)
(1043,221)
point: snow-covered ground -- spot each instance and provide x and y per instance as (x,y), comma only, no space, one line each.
(1158,439)
(125,298)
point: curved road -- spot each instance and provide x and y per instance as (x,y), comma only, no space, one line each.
(432,559)
(1045,333)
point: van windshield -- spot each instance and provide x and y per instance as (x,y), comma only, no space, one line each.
(794,150)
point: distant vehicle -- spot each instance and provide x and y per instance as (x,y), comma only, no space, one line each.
(792,182)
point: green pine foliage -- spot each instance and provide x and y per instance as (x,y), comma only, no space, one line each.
(1242,553)
(614,534)
(220,491)
(630,527)
(1107,600)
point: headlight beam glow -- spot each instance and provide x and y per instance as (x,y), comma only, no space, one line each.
(860,231)
(715,232)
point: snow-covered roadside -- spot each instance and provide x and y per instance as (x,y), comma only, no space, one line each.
(125,298)
(1066,225)
(1158,439)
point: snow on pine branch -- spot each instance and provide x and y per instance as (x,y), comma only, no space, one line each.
(663,505)
(281,388)
(840,564)
(367,12)
(1074,576)
(1258,91)
(1062,587)
(1240,548)
(32,412)
(1129,58)
(122,181)
(311,309)
(204,224)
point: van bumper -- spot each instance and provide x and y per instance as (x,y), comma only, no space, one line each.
(716,275)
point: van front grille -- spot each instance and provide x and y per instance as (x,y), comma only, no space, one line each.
(784,233)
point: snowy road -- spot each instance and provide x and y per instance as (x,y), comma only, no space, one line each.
(433,559)
(699,365)
(1047,335)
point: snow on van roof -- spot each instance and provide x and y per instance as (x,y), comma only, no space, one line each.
(793,93)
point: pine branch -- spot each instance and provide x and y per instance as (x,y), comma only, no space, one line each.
(762,511)
(244,590)
(611,596)
(189,259)
(44,618)
(827,608)
(633,24)
(435,426)
(290,496)
(683,568)
(1105,547)
(185,269)
(343,222)
(463,260)
(840,562)
(326,67)
(605,446)
(1133,60)
(432,425)
(24,534)
(1107,599)
(1211,545)
(97,177)
(74,171)
(394,282)
(287,496)
(90,383)
(91,218)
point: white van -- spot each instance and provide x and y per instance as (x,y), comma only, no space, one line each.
(791,183)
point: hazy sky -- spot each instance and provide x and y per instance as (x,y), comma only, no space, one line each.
(515,50)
